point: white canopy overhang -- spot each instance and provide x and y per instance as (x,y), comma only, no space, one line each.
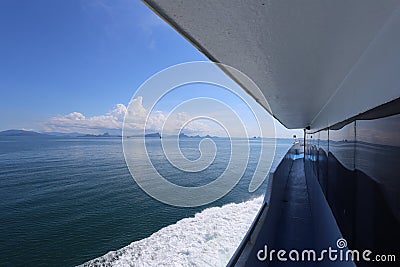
(317,62)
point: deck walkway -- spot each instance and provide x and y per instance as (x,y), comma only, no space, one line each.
(294,223)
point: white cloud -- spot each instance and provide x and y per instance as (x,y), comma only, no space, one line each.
(76,116)
(78,122)
(118,111)
(112,122)
(158,121)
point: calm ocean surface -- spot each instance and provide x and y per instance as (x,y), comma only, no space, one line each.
(65,201)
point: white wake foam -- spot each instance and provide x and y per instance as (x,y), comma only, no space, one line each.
(208,239)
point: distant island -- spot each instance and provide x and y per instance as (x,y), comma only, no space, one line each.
(100,135)
(181,135)
(83,135)
(52,134)
(154,135)
(20,133)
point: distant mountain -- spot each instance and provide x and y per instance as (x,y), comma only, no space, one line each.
(99,135)
(206,136)
(156,135)
(20,133)
(182,135)
(74,134)
(52,134)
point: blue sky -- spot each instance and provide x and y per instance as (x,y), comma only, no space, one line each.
(84,56)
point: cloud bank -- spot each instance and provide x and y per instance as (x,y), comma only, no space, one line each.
(112,122)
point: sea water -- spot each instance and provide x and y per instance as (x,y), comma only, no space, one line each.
(71,201)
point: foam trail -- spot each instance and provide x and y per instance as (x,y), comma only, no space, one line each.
(208,239)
